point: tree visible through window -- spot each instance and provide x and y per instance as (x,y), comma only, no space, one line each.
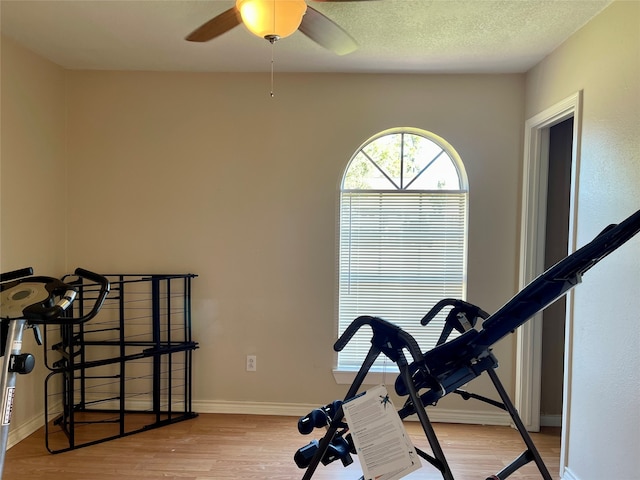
(403,220)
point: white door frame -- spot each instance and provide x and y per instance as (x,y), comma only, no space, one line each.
(532,240)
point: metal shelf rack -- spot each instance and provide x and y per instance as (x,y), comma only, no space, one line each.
(128,370)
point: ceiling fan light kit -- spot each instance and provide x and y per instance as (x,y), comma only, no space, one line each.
(275,19)
(272,19)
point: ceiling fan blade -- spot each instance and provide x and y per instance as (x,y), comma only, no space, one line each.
(216,26)
(326,32)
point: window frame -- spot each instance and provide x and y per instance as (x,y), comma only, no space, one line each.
(344,375)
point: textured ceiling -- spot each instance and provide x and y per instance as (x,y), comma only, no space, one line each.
(417,36)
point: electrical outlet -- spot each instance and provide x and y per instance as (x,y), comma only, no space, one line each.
(251,363)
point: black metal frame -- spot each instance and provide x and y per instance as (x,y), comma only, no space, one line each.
(391,341)
(142,338)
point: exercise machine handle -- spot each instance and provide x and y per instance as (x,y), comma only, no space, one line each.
(466,307)
(105,287)
(388,337)
(38,313)
(94,277)
(14,275)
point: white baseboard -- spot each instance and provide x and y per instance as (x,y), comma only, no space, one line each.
(252,408)
(569,475)
(18,433)
(299,410)
(441,415)
(550,420)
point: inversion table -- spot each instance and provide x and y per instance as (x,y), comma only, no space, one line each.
(427,377)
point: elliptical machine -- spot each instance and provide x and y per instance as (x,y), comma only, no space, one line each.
(28,301)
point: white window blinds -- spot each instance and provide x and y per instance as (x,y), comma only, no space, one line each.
(400,253)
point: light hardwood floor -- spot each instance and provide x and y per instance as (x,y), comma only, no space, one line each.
(221,447)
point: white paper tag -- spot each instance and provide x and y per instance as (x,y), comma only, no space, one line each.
(384,448)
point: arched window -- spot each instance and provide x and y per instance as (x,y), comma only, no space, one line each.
(403,229)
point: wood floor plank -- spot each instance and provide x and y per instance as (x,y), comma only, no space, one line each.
(224,447)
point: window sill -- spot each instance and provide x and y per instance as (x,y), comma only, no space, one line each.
(346,377)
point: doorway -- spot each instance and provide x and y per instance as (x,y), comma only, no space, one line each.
(533,240)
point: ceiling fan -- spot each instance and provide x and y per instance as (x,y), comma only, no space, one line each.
(275,19)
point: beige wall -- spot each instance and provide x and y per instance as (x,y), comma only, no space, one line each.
(206,173)
(33,187)
(603,59)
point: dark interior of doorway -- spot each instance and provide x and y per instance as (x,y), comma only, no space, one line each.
(556,248)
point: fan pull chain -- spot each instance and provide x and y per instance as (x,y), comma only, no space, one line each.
(272,62)
(273,39)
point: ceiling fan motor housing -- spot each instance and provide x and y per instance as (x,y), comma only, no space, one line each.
(272,19)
